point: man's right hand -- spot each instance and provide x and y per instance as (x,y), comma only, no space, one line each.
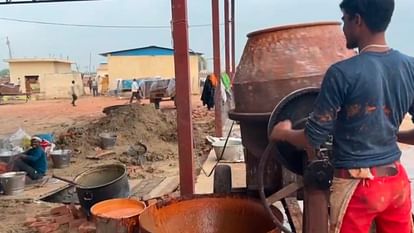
(280,130)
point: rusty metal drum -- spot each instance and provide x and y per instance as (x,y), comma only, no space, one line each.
(275,63)
(280,60)
(208,213)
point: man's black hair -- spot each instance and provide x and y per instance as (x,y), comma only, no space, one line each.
(375,13)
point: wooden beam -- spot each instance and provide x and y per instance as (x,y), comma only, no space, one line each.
(293,213)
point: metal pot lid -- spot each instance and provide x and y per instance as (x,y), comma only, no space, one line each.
(295,107)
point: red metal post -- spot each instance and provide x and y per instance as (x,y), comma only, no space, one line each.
(233,39)
(217,68)
(227,36)
(182,77)
(315,211)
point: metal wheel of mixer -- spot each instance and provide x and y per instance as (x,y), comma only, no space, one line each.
(295,107)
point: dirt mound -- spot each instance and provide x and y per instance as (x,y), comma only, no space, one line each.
(136,125)
(131,124)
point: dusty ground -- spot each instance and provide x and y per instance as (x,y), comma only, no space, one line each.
(46,116)
(78,127)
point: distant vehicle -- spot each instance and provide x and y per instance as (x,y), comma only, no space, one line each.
(162,90)
(156,89)
(9,89)
(10,92)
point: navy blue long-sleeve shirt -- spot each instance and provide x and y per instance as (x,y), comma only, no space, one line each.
(362,103)
(36,158)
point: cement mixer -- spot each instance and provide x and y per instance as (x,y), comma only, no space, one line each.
(278,78)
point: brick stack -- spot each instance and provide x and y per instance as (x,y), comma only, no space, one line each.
(69,217)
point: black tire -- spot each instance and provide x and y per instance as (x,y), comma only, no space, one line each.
(222,179)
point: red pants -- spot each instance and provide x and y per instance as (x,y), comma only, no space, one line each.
(387,200)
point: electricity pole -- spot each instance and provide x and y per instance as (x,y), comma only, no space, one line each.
(8,46)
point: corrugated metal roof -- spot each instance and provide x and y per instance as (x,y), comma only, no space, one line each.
(145,51)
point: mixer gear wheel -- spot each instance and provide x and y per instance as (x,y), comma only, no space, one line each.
(296,107)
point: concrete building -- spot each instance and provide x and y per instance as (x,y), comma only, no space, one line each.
(146,62)
(45,77)
(102,70)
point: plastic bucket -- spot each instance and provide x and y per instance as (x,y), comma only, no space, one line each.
(108,140)
(61,158)
(117,215)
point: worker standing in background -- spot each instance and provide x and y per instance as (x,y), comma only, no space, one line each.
(362,103)
(19,83)
(135,91)
(95,86)
(89,83)
(207,96)
(74,95)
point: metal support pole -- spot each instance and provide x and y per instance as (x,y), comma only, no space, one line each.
(233,39)
(217,68)
(182,77)
(227,35)
(315,209)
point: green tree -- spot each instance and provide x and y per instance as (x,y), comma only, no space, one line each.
(4,72)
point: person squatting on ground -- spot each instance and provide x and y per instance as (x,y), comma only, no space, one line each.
(33,161)
(362,103)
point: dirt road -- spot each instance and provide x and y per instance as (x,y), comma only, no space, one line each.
(44,116)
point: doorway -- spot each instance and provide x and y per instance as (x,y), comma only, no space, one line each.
(32,84)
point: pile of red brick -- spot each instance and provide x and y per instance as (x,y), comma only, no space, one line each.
(69,217)
(201,113)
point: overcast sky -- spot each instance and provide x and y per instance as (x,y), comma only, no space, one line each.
(36,40)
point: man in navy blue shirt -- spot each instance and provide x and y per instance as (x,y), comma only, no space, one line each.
(362,103)
(33,161)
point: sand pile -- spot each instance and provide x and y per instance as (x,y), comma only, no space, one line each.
(131,124)
(136,125)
